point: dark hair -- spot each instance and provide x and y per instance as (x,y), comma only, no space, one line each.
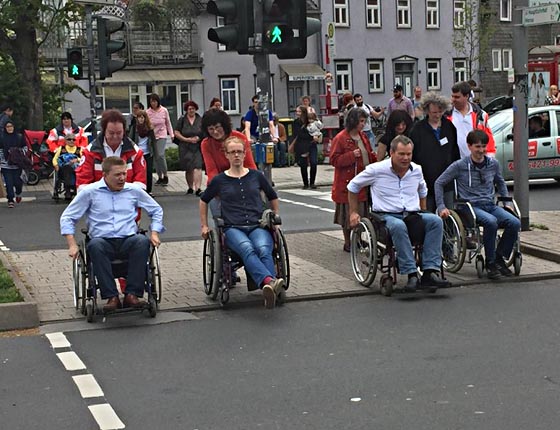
(461,87)
(112,115)
(396,117)
(216,116)
(357,95)
(255,98)
(66,115)
(353,118)
(477,136)
(111,161)
(139,105)
(214,101)
(5,107)
(155,97)
(304,117)
(189,104)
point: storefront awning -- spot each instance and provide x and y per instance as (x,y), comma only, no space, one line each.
(153,76)
(303,72)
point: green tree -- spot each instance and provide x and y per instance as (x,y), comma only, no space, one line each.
(472,32)
(24,25)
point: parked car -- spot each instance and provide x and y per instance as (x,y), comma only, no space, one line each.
(544,151)
(498,104)
(86,124)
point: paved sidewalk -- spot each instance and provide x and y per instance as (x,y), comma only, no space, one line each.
(319,267)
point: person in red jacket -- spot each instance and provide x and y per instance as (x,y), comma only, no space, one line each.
(350,153)
(111,141)
(216,124)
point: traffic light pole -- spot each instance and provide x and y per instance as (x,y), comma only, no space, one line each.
(91,68)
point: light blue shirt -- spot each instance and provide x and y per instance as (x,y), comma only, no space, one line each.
(111,214)
(389,192)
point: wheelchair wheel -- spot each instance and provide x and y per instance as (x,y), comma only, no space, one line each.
(282,259)
(224,297)
(155,275)
(79,276)
(454,246)
(517,262)
(363,252)
(479,264)
(212,264)
(386,285)
(89,311)
(33,177)
(152,306)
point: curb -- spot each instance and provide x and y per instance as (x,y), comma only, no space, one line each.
(537,251)
(19,315)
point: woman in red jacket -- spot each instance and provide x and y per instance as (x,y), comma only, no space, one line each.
(350,153)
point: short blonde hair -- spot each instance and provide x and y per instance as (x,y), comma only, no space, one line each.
(234,139)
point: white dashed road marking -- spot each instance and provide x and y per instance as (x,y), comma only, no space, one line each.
(103,413)
(307,205)
(3,247)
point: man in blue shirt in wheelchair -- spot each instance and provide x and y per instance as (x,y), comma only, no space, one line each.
(475,176)
(397,190)
(111,208)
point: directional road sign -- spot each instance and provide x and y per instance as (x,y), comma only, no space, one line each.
(545,14)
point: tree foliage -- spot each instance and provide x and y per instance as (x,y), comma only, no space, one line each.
(472,33)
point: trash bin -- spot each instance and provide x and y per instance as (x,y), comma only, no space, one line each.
(288,123)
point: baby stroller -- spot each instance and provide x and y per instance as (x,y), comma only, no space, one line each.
(38,152)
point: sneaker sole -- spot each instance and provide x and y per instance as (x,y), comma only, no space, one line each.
(269,297)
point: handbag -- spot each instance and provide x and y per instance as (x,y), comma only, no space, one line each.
(17,157)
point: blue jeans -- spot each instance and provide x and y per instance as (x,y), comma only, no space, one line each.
(431,249)
(371,137)
(135,248)
(491,217)
(12,178)
(254,246)
(312,160)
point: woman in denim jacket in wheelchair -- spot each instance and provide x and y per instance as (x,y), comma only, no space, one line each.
(239,191)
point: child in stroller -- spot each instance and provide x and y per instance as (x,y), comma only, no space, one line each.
(65,161)
(38,152)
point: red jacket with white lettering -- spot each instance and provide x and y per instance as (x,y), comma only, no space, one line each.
(480,122)
(89,169)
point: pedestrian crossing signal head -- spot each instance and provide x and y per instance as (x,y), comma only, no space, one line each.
(75,63)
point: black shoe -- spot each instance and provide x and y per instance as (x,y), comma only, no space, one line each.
(471,243)
(412,284)
(165,180)
(492,271)
(159,181)
(305,187)
(198,192)
(313,187)
(190,191)
(502,267)
(432,279)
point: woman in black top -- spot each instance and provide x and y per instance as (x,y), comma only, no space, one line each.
(305,148)
(10,172)
(398,123)
(188,135)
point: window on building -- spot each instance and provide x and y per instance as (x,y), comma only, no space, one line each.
(459,14)
(507,59)
(343,71)
(432,13)
(375,76)
(341,13)
(403,14)
(184,93)
(496,60)
(459,70)
(505,10)
(220,22)
(373,13)
(433,73)
(229,93)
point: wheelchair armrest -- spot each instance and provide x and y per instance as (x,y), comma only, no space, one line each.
(142,231)
(276,220)
(505,199)
(84,231)
(219,222)
(461,201)
(375,217)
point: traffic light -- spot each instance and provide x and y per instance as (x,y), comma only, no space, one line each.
(75,63)
(238,26)
(286,28)
(106,46)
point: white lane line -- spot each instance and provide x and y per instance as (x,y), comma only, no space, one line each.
(106,417)
(58,340)
(71,361)
(307,205)
(88,386)
(3,247)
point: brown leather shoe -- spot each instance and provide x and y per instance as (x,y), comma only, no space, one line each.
(131,301)
(112,304)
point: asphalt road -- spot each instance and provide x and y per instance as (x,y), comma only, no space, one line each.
(36,224)
(482,357)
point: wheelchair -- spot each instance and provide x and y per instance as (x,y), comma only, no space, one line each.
(372,250)
(86,286)
(460,224)
(219,263)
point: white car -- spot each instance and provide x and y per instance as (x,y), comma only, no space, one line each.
(544,146)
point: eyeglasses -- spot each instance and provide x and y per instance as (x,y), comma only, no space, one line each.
(236,152)
(70,139)
(213,129)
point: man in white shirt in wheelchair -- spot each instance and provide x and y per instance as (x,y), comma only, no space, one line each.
(398,189)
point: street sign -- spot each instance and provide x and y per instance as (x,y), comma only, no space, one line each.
(545,14)
(331,45)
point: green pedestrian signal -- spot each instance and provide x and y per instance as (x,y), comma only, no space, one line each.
(276,35)
(75,63)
